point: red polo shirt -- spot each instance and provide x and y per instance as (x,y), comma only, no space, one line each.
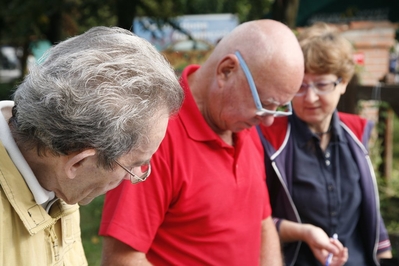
(203,202)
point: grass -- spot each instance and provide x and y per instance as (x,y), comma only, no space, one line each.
(90,224)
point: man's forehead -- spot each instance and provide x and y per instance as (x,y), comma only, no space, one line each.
(274,93)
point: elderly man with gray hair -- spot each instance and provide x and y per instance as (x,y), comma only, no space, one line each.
(89,115)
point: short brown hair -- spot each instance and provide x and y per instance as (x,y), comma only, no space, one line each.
(326,51)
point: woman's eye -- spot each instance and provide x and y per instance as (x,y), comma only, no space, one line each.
(322,85)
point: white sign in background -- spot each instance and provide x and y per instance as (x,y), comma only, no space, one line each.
(210,28)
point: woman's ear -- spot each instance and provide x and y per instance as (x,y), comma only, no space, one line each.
(75,161)
(342,87)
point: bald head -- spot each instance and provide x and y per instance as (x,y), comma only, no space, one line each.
(258,41)
(275,61)
(270,49)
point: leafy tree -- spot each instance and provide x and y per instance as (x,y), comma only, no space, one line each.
(24,21)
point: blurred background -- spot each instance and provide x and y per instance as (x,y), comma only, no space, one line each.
(186,31)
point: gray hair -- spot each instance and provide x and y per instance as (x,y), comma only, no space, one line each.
(99,90)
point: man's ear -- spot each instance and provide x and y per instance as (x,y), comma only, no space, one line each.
(75,161)
(226,67)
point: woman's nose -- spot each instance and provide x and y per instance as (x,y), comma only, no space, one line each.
(311,94)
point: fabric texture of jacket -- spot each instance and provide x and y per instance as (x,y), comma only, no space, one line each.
(28,234)
(278,160)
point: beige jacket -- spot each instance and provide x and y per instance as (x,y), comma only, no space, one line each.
(28,234)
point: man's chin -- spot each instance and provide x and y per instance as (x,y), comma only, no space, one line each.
(85,201)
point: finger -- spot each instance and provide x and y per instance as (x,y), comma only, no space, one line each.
(338,245)
(320,255)
(332,248)
(342,258)
(345,255)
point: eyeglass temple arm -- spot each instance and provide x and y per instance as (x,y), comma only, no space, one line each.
(250,80)
(337,81)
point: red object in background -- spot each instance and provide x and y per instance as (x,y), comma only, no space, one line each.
(358,58)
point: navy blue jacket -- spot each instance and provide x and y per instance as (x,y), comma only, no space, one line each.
(278,148)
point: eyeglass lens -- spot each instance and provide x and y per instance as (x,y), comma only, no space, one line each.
(141,170)
(138,174)
(320,88)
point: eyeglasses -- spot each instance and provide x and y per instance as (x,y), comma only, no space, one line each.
(283,110)
(320,88)
(141,172)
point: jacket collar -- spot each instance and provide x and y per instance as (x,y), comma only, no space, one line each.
(41,195)
(304,135)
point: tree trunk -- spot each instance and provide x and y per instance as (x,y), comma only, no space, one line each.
(285,11)
(54,32)
(126,12)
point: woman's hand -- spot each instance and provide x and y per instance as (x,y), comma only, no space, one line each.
(321,245)
(318,241)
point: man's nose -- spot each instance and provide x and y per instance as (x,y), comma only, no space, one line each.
(266,120)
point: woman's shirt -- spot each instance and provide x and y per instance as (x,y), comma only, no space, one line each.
(326,189)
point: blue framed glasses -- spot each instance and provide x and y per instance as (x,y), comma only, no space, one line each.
(284,110)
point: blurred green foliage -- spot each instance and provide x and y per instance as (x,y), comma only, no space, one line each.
(6,90)
(90,216)
(388,187)
(22,22)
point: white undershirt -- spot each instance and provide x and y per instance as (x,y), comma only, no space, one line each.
(41,195)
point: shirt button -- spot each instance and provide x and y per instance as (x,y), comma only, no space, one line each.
(333,213)
(327,154)
(328,162)
(330,187)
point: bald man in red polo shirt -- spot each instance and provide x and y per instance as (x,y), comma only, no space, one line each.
(206,201)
